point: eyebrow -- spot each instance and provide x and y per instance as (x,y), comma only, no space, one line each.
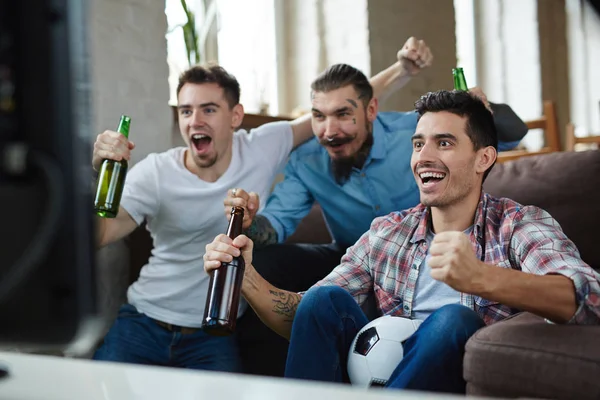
(437,136)
(354,103)
(203,105)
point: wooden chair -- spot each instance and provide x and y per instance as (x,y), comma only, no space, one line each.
(548,122)
(572,140)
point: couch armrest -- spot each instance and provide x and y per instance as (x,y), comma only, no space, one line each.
(525,356)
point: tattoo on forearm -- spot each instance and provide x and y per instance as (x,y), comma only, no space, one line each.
(354,103)
(261,232)
(285,303)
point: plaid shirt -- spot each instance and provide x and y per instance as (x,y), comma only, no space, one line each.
(386,259)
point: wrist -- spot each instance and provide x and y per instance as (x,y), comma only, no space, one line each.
(251,282)
(400,71)
(395,77)
(484,281)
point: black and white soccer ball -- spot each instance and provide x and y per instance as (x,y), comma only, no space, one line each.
(377,350)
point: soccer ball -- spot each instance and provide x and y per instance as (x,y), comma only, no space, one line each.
(377,350)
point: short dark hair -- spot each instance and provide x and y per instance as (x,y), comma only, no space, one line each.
(212,73)
(480,125)
(341,75)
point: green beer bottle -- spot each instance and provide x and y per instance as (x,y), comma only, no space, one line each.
(460,83)
(111,180)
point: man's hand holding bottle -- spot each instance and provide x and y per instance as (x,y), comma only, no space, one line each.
(111,145)
(240,198)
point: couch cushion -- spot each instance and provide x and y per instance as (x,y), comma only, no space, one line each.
(565,184)
(526,356)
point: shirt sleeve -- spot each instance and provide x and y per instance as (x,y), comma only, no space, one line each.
(289,203)
(540,247)
(275,141)
(140,195)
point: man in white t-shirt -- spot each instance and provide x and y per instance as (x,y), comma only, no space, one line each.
(179,194)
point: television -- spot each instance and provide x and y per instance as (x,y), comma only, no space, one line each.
(47,282)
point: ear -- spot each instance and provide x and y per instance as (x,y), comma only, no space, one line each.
(238,116)
(372,109)
(486,158)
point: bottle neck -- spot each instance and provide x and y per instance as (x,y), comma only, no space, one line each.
(123,128)
(236,223)
(460,83)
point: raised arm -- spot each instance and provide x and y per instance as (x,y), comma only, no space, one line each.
(109,230)
(113,146)
(413,57)
(553,282)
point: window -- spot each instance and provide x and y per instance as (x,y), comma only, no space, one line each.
(245,44)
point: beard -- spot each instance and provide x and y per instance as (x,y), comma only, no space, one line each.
(205,162)
(342,167)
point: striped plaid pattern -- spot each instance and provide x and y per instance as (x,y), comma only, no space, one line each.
(386,259)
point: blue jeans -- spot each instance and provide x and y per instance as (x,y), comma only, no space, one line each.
(328,319)
(136,338)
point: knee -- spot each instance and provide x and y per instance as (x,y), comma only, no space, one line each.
(322,299)
(456,321)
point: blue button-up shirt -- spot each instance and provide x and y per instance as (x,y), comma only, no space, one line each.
(383,185)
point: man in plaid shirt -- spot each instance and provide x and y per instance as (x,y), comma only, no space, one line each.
(459,260)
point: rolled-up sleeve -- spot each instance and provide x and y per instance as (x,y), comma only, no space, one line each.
(289,203)
(540,247)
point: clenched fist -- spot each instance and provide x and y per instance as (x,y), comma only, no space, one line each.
(414,56)
(111,145)
(454,262)
(240,198)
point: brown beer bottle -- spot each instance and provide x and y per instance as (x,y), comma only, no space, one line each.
(224,289)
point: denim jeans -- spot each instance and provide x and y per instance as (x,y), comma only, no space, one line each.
(136,338)
(328,319)
(262,351)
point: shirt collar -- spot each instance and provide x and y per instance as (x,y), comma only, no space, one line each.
(423,214)
(378,150)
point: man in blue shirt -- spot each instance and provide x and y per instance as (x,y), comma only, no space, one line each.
(356,168)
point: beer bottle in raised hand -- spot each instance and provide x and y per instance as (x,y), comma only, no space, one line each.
(111,180)
(224,290)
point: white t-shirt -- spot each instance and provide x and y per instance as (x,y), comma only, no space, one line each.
(184,213)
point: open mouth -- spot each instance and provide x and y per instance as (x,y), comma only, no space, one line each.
(201,143)
(337,145)
(431,178)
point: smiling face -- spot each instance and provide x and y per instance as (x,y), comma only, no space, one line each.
(206,123)
(341,121)
(342,124)
(445,164)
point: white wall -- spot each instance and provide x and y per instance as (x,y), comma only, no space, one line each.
(129,70)
(320,33)
(508,59)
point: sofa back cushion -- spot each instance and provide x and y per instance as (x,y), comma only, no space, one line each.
(566,184)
